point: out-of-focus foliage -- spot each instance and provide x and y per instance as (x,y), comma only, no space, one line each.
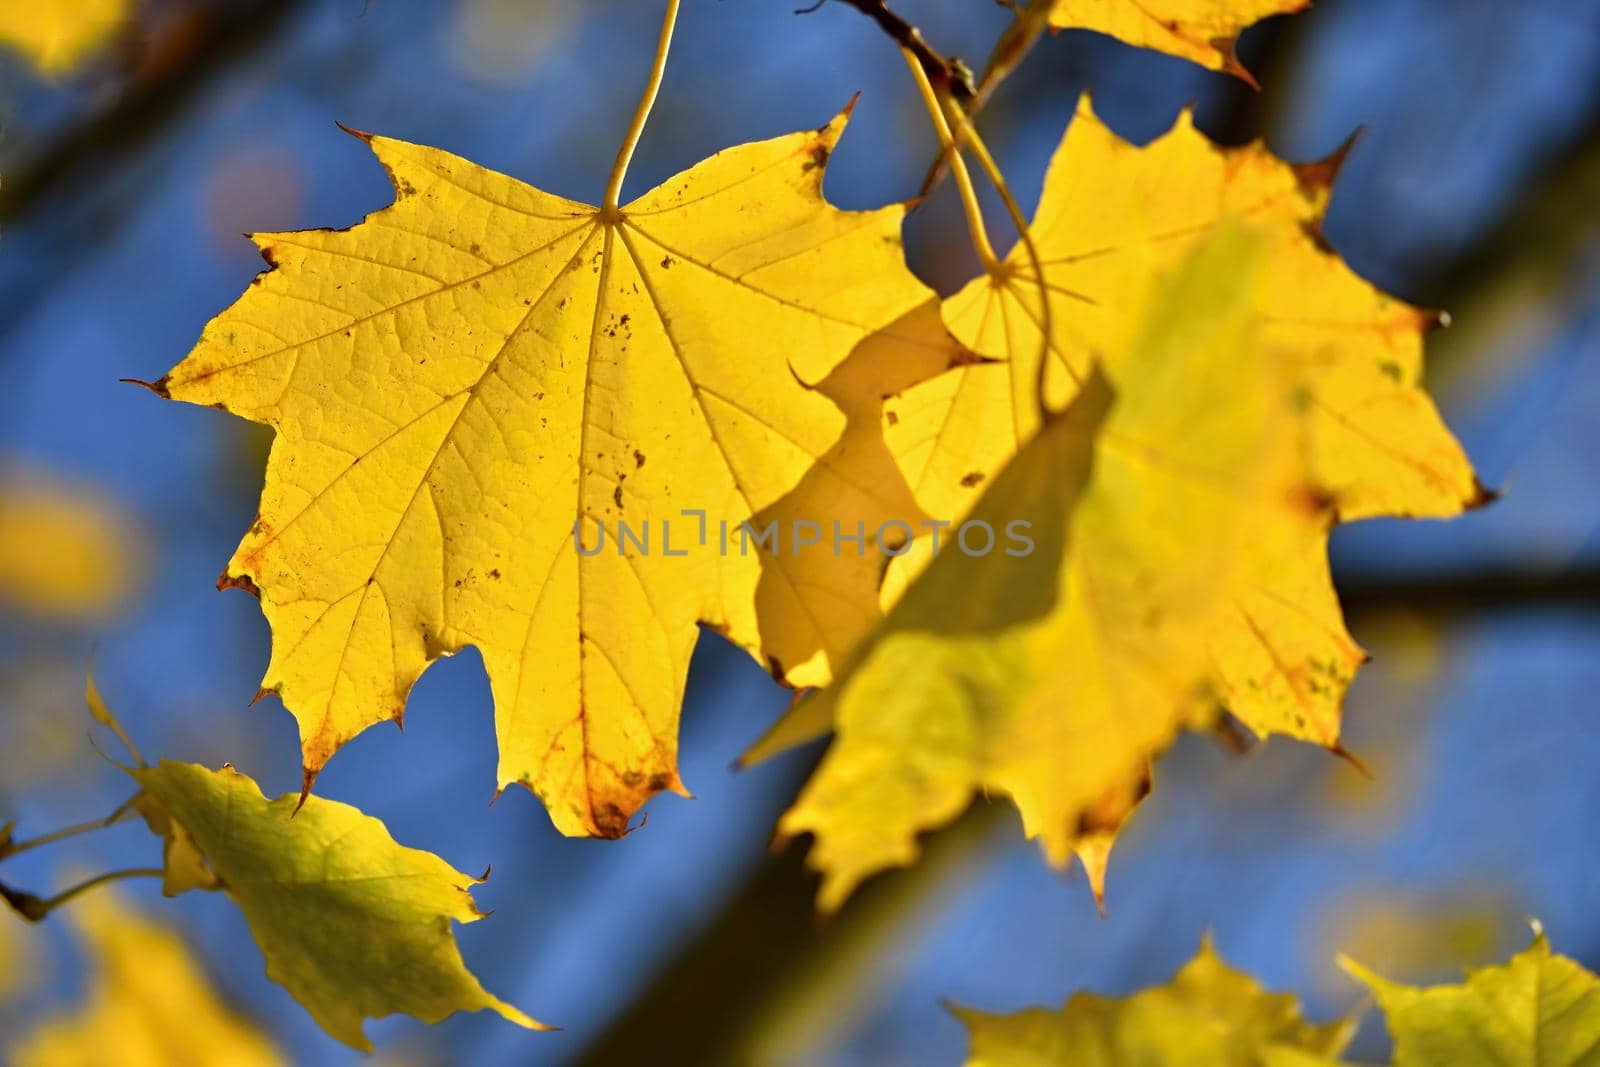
(1198,30)
(149,1003)
(1055,677)
(1415,937)
(353,924)
(16,960)
(1208,1015)
(500,40)
(57,35)
(1538,1010)
(66,553)
(1113,221)
(468,375)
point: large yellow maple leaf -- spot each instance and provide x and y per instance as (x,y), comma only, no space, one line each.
(1053,670)
(1199,30)
(1112,221)
(464,376)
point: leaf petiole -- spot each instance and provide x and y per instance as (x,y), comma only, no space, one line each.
(35,909)
(958,165)
(968,135)
(9,847)
(619,171)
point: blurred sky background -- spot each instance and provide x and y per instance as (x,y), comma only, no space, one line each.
(1475,187)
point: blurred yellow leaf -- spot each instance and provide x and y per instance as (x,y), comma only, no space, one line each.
(57,35)
(1198,30)
(66,552)
(353,924)
(1417,936)
(475,378)
(149,1004)
(1539,1010)
(1208,1015)
(16,959)
(501,40)
(1112,222)
(1054,675)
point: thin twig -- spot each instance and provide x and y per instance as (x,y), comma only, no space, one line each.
(1008,54)
(944,71)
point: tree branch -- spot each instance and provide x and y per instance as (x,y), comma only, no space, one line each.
(1481,591)
(944,71)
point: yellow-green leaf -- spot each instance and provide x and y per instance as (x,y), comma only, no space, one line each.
(353,924)
(57,35)
(1209,1014)
(149,1003)
(1539,1010)
(1054,675)
(1198,30)
(463,377)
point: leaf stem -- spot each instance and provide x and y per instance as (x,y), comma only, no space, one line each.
(11,848)
(609,206)
(969,136)
(958,166)
(1009,52)
(102,714)
(34,909)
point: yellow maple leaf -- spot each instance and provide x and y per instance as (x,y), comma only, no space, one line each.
(149,1003)
(1054,674)
(352,924)
(475,381)
(1208,1014)
(1538,1010)
(57,35)
(1112,220)
(1199,30)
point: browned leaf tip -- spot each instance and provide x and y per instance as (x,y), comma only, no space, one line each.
(1482,495)
(360,135)
(1228,46)
(1338,749)
(1319,176)
(158,387)
(308,778)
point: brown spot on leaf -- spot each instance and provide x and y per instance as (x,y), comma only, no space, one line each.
(971,479)
(242,581)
